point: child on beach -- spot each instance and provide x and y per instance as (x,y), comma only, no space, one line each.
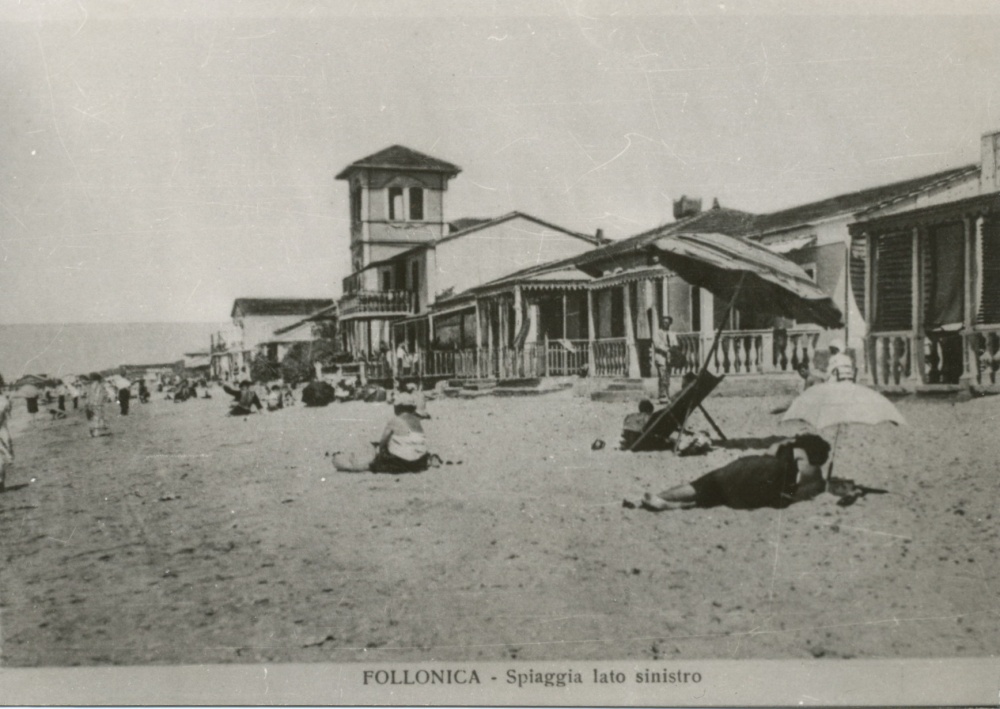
(6,442)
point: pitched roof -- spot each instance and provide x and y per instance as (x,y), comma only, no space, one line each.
(327,313)
(479,225)
(858,201)
(464,223)
(399,157)
(485,224)
(279,306)
(731,222)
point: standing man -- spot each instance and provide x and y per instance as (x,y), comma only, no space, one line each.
(663,343)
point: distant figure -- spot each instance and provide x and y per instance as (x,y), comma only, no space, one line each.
(402,448)
(841,366)
(419,400)
(61,395)
(275,401)
(288,394)
(97,398)
(6,441)
(124,396)
(794,473)
(246,399)
(74,393)
(30,394)
(635,423)
(665,348)
(143,392)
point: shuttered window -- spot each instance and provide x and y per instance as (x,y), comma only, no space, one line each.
(989,282)
(859,254)
(893,282)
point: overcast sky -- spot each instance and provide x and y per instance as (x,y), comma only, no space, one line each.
(159,159)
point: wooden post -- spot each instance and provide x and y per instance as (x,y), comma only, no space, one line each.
(970,364)
(870,304)
(917,312)
(630,343)
(591,334)
(517,310)
(565,334)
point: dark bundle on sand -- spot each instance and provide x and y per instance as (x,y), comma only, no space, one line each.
(317,394)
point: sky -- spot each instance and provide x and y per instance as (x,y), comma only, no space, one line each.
(160,159)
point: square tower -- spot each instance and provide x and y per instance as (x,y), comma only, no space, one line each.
(396,202)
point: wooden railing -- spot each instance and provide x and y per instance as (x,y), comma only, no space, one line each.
(891,360)
(395,302)
(753,352)
(611,357)
(982,347)
(760,351)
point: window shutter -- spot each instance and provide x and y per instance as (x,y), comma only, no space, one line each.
(989,281)
(893,285)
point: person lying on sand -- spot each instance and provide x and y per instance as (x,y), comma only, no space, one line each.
(794,473)
(402,448)
(246,399)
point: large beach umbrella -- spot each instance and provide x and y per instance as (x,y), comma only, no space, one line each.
(748,276)
(840,403)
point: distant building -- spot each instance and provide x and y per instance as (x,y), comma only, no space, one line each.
(254,323)
(406,256)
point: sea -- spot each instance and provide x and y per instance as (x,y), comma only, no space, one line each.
(78,348)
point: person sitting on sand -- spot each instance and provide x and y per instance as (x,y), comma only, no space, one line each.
(794,473)
(635,423)
(275,400)
(246,399)
(402,448)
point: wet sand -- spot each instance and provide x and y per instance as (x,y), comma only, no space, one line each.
(191,537)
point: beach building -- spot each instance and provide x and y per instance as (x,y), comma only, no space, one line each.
(931,265)
(255,321)
(406,256)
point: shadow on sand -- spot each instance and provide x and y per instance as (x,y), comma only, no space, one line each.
(743,444)
(12,488)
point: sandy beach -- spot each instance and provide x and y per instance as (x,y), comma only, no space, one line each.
(191,537)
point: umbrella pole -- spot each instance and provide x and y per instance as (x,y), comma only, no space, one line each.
(718,331)
(833,453)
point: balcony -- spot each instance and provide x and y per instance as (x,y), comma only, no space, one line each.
(377,303)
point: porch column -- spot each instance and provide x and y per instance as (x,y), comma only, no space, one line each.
(479,326)
(970,365)
(591,334)
(916,313)
(664,303)
(564,333)
(488,370)
(630,343)
(871,359)
(517,310)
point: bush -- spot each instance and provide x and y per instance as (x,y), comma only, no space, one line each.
(262,369)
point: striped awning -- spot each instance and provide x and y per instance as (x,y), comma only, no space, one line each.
(630,275)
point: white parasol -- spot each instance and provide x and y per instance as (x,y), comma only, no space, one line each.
(838,403)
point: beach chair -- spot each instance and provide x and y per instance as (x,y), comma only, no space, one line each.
(670,419)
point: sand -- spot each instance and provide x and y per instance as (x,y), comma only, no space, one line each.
(190,537)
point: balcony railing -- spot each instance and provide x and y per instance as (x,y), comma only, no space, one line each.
(377,303)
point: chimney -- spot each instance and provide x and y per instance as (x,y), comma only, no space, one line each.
(686,207)
(988,181)
(599,235)
(715,203)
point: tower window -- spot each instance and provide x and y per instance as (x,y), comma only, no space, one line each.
(416,203)
(395,203)
(356,204)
